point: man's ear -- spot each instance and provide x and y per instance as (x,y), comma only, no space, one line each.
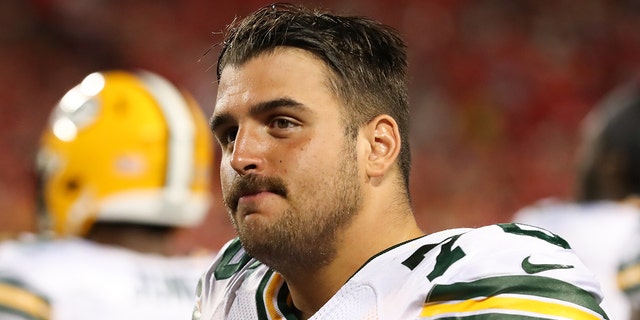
(384,140)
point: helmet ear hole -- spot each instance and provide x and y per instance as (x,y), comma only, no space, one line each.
(72,185)
(120,108)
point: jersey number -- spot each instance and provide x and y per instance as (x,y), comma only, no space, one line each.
(449,254)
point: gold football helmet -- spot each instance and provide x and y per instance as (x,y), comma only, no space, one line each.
(124,147)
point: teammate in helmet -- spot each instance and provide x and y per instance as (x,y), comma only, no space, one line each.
(124,161)
(604,218)
(312,119)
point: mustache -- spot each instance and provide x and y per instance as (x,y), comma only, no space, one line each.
(252,184)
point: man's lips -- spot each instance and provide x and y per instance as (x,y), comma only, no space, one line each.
(253,196)
(252,202)
(247,190)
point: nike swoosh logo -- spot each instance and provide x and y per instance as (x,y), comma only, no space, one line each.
(532,268)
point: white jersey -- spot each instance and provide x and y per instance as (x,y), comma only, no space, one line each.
(78,280)
(486,273)
(599,232)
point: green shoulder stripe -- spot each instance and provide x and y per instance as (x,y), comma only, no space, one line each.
(522,285)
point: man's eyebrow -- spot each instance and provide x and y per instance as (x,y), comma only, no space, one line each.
(218,120)
(225,117)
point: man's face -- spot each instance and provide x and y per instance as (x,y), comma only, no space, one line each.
(290,176)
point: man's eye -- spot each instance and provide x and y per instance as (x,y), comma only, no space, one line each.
(229,136)
(282,123)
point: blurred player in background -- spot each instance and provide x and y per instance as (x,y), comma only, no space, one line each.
(605,215)
(124,162)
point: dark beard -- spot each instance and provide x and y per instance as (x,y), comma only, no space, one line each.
(294,244)
(306,237)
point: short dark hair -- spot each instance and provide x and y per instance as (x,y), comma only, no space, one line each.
(367,60)
(610,163)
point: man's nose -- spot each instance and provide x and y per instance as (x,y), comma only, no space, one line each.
(248,152)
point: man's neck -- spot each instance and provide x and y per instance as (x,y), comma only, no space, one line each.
(311,289)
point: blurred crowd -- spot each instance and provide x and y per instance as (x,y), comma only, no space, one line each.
(498,88)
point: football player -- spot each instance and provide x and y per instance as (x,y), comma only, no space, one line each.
(606,199)
(311,116)
(124,161)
